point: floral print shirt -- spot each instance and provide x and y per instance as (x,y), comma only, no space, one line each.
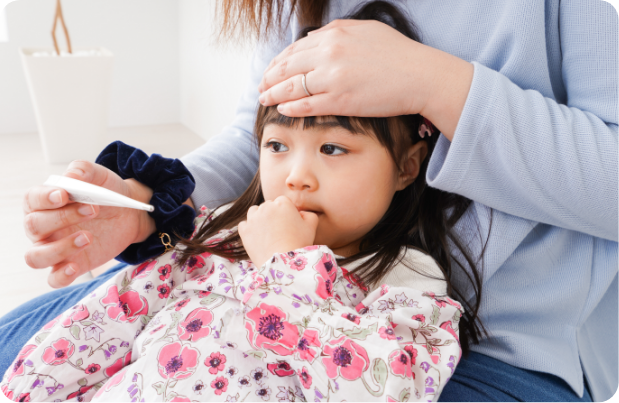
(300,328)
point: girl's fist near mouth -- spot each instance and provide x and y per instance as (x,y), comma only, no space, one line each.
(276,227)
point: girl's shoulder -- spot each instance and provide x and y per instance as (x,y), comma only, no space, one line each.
(416,269)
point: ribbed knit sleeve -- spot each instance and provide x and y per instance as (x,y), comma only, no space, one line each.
(525,154)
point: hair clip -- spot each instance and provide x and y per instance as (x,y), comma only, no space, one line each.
(426,128)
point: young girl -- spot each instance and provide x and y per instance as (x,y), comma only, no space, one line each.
(312,285)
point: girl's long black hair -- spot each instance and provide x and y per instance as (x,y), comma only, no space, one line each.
(419,216)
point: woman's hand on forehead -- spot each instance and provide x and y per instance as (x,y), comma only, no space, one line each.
(276,227)
(367,68)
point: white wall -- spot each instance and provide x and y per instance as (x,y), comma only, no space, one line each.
(213,76)
(168,66)
(142,34)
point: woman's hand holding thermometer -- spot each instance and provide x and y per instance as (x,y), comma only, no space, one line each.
(74,238)
(87,193)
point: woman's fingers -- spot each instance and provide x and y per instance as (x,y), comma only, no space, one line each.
(41,224)
(44,198)
(46,254)
(316,105)
(63,274)
(290,66)
(291,89)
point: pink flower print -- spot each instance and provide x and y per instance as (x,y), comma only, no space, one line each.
(298,263)
(177,361)
(216,362)
(440,303)
(351,317)
(164,291)
(60,351)
(23,397)
(304,349)
(387,333)
(164,272)
(305,377)
(81,391)
(231,371)
(400,364)
(264,393)
(447,326)
(345,358)
(412,353)
(419,317)
(281,369)
(51,324)
(115,380)
(453,303)
(92,368)
(18,368)
(197,388)
(158,328)
(195,326)
(244,381)
(180,304)
(203,294)
(195,262)
(353,278)
(384,289)
(268,330)
(127,307)
(327,273)
(361,309)
(180,398)
(8,393)
(436,355)
(220,384)
(311,247)
(143,270)
(258,375)
(76,314)
(118,364)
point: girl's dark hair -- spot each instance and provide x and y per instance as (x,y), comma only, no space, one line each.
(419,216)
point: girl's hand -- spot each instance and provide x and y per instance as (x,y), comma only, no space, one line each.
(276,227)
(75,238)
(366,68)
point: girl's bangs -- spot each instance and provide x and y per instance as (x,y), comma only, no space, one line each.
(355,125)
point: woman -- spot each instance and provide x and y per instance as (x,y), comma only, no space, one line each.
(525,95)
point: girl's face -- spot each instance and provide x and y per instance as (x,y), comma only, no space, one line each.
(347,179)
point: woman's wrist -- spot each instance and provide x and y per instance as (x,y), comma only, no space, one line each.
(146,224)
(141,192)
(450,84)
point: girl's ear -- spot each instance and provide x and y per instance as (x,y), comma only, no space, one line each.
(413,159)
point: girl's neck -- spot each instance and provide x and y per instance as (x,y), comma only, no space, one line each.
(347,250)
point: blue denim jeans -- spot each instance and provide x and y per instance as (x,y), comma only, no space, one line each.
(478,378)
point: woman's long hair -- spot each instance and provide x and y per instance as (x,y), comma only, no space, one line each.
(419,216)
(256,18)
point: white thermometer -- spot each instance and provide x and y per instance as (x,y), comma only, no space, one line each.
(88,193)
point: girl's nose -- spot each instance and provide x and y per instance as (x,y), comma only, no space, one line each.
(301,177)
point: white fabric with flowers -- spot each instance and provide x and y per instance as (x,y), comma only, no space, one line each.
(300,328)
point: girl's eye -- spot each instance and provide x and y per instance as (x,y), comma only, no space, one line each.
(330,149)
(276,147)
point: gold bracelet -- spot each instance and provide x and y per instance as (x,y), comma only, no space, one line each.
(168,244)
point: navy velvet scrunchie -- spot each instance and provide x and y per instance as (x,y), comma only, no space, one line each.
(171,183)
